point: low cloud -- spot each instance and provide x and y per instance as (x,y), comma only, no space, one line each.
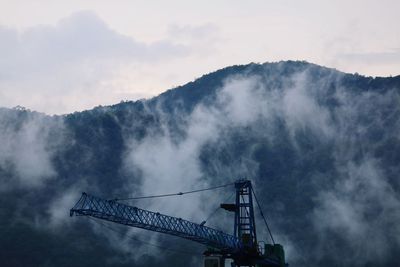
(349,199)
(302,110)
(58,209)
(27,150)
(357,205)
(360,210)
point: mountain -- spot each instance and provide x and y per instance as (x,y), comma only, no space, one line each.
(321,146)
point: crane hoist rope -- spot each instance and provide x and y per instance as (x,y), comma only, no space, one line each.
(217,209)
(174,194)
(262,215)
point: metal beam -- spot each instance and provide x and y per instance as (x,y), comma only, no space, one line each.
(113,211)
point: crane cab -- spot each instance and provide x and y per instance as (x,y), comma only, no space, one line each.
(214,261)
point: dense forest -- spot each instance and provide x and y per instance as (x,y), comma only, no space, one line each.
(322,149)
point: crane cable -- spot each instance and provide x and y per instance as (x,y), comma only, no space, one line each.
(174,194)
(141,241)
(262,215)
(215,211)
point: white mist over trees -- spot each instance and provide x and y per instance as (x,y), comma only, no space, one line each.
(320,146)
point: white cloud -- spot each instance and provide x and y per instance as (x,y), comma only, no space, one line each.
(373,58)
(168,165)
(217,35)
(360,185)
(59,207)
(27,149)
(71,66)
(301,109)
(190,32)
(361,209)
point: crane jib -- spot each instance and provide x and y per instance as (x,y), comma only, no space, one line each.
(111,210)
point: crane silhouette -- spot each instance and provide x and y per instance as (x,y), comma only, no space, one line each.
(242,247)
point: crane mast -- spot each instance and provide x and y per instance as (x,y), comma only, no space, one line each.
(242,247)
(245,225)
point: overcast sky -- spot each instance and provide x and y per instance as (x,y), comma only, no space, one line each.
(63,56)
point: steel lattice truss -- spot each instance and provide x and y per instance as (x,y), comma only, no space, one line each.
(113,211)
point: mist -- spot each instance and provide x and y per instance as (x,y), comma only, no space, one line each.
(355,199)
(319,149)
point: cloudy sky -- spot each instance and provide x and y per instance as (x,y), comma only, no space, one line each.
(64,56)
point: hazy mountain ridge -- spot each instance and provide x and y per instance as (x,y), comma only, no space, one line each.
(321,146)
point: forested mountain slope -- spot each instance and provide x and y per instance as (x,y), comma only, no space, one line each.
(322,148)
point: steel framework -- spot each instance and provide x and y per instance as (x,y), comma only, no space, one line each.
(113,211)
(242,247)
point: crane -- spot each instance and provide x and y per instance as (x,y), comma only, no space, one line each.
(242,247)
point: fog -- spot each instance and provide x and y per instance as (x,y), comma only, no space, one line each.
(350,197)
